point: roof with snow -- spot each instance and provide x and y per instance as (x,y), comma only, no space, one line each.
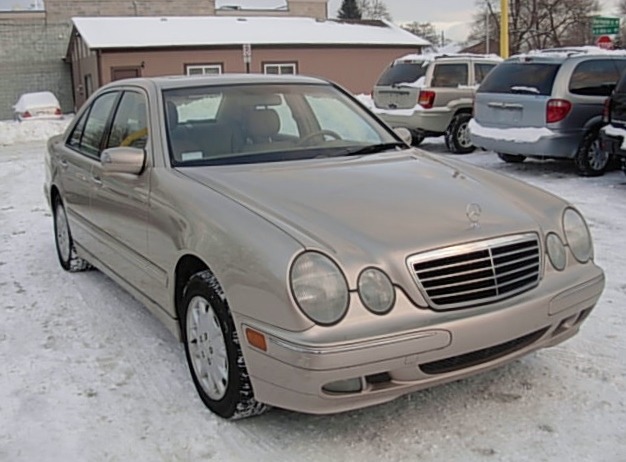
(240,5)
(152,32)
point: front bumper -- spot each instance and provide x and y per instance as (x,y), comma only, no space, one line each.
(531,141)
(434,348)
(433,121)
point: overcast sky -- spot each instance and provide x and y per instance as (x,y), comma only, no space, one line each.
(453,16)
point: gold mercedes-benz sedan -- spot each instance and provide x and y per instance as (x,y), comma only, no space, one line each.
(303,252)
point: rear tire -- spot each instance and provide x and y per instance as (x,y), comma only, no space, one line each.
(213,350)
(63,239)
(512,158)
(458,136)
(590,159)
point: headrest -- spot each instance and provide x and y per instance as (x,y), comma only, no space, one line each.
(263,123)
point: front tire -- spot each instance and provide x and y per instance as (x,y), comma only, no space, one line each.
(590,159)
(213,350)
(458,136)
(63,239)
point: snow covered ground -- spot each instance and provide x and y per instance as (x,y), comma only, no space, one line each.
(87,374)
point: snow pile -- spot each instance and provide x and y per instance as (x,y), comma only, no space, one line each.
(12,132)
(366,100)
(615,131)
(516,135)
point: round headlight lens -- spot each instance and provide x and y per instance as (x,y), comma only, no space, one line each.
(577,235)
(556,251)
(319,288)
(376,291)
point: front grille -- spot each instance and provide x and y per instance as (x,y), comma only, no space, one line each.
(478,273)
(474,358)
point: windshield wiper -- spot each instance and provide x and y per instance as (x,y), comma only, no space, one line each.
(375,148)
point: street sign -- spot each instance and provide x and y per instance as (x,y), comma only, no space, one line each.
(604,41)
(602,25)
(247,53)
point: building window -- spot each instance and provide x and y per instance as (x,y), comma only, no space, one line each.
(203,69)
(280,68)
(88,86)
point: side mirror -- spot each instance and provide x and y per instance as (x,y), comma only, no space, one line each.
(123,160)
(405,134)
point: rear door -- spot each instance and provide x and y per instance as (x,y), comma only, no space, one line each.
(515,94)
(77,159)
(618,104)
(399,86)
(450,81)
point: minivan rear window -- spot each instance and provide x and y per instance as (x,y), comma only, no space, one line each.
(524,78)
(402,73)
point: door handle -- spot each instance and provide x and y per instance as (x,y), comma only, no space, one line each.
(96,180)
(63,163)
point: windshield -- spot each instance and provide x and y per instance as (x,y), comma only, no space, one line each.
(402,73)
(222,125)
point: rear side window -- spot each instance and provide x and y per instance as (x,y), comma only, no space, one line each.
(524,78)
(449,75)
(481,70)
(621,84)
(594,78)
(402,73)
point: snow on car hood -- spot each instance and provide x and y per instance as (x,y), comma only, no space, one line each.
(394,202)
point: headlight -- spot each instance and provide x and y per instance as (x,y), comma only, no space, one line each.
(577,235)
(556,251)
(376,291)
(319,288)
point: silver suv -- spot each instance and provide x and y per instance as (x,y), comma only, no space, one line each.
(432,95)
(548,104)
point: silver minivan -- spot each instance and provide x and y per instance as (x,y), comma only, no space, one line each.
(548,104)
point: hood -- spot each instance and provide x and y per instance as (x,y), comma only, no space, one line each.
(370,206)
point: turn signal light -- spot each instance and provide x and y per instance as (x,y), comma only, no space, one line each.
(256,339)
(606,112)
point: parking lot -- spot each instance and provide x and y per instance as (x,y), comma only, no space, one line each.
(89,374)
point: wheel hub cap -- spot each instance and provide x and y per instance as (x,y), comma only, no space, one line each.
(597,157)
(207,348)
(464,136)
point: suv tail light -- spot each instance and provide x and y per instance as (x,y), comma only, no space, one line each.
(606,112)
(58,112)
(426,99)
(26,114)
(557,110)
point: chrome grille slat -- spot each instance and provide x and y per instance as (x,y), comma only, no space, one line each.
(478,273)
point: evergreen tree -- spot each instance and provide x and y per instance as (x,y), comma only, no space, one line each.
(349,10)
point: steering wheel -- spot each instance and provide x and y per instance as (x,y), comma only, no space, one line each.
(310,136)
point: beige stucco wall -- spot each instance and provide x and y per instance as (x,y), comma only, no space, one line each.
(356,68)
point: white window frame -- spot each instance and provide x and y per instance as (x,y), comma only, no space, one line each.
(204,68)
(279,66)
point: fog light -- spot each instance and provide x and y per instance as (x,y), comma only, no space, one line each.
(344,386)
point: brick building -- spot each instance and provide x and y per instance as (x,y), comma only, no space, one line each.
(34,39)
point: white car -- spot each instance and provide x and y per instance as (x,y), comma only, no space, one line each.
(39,105)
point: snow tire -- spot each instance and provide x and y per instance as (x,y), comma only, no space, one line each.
(66,251)
(237,399)
(590,160)
(457,135)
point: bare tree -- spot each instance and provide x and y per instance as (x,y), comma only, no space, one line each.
(538,23)
(374,9)
(427,31)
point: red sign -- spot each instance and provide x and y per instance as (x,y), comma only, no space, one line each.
(605,41)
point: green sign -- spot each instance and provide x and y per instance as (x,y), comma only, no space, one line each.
(601,25)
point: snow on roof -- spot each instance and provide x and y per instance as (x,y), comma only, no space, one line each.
(146,32)
(568,52)
(428,57)
(251,5)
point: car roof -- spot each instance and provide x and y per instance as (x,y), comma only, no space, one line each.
(559,55)
(184,81)
(427,57)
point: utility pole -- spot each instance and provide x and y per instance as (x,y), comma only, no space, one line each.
(504,28)
(488,31)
